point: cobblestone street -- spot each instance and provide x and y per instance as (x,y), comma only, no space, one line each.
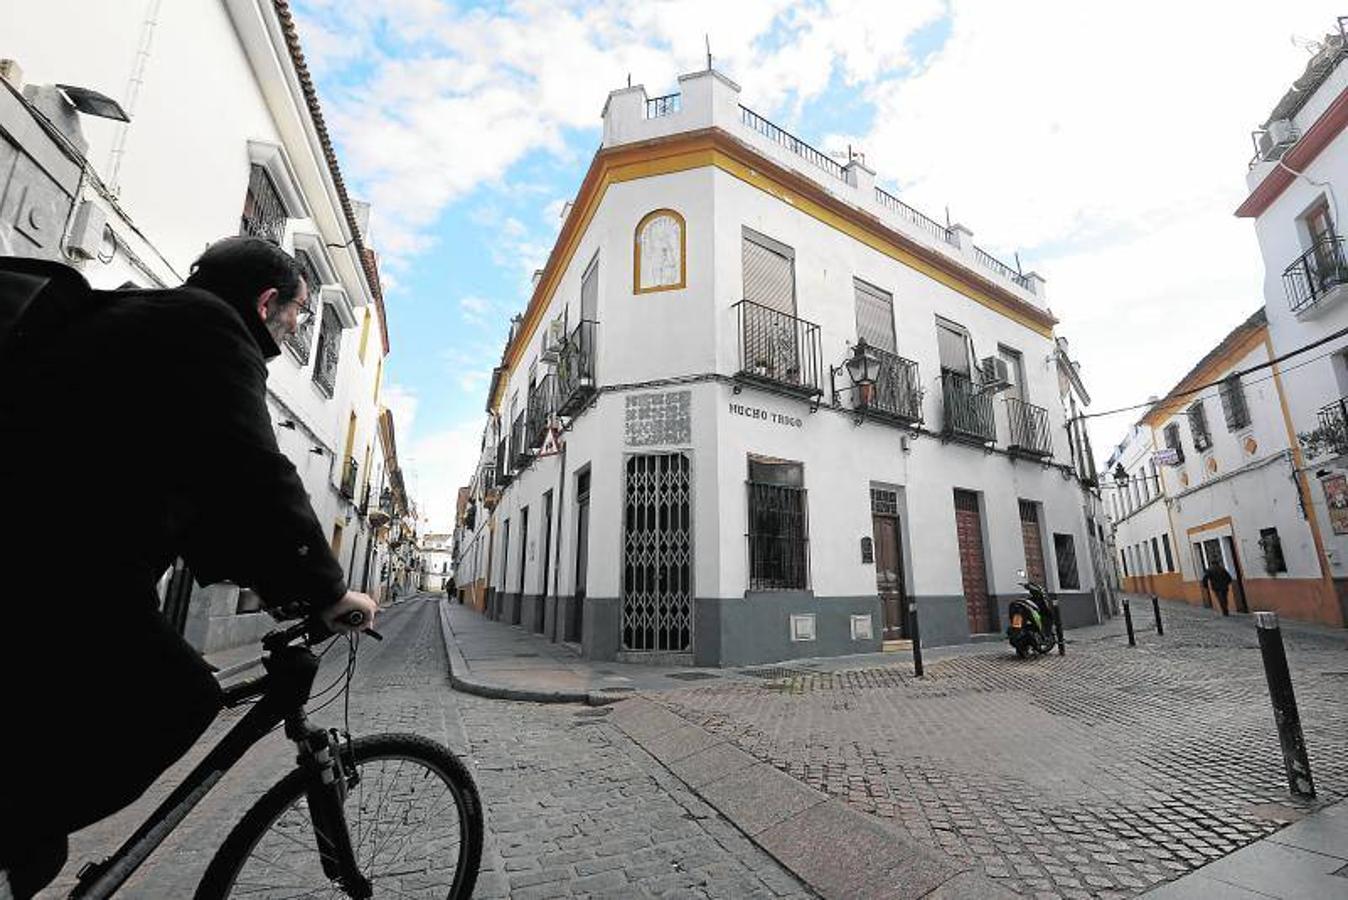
(573,808)
(1099,774)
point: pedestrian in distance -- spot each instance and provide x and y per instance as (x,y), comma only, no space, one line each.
(134,430)
(1218,580)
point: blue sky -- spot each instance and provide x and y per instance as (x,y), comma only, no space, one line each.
(1108,153)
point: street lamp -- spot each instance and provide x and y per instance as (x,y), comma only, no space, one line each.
(863,369)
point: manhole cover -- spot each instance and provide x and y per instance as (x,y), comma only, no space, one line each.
(692,676)
(774,673)
(1277,812)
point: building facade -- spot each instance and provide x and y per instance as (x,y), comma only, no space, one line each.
(225,136)
(758,408)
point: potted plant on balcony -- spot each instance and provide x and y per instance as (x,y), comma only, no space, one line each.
(760,367)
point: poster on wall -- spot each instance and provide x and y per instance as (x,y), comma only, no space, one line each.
(1336,498)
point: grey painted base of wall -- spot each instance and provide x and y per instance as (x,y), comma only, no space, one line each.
(601,630)
(566,617)
(756,628)
(1078,609)
(944,620)
(508,608)
(489,604)
(550,619)
(531,613)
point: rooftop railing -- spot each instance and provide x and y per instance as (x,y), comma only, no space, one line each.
(988,261)
(912,216)
(784,138)
(657,107)
(1315,273)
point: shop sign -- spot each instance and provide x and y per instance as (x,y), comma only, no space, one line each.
(766,415)
(1167,457)
(1336,498)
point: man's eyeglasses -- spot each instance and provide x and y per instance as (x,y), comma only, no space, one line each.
(305,314)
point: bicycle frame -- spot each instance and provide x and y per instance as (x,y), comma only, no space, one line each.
(283,690)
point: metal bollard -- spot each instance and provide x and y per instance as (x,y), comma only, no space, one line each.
(1128,620)
(916,637)
(1057,627)
(1285,713)
(1156,611)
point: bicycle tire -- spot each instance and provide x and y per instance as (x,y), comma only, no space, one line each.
(222,875)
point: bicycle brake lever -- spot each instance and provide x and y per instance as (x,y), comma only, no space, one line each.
(374,634)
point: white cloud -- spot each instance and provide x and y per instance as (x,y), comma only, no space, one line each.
(402,403)
(437,465)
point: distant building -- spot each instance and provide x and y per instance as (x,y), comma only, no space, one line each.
(437,560)
(760,408)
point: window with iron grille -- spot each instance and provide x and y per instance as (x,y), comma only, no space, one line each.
(884,503)
(1198,426)
(329,346)
(1232,395)
(1123,554)
(1169,559)
(1271,546)
(1172,440)
(1156,554)
(264,215)
(1064,549)
(778,535)
(302,340)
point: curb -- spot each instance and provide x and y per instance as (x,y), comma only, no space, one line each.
(492,691)
(838,851)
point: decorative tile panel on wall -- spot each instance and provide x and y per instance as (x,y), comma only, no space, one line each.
(659,419)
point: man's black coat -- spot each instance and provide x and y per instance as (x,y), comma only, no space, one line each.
(136,434)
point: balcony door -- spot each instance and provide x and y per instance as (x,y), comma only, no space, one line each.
(1015,373)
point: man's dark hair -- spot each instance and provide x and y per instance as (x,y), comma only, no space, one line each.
(237,269)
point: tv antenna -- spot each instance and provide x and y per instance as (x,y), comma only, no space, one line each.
(707,37)
(1310,45)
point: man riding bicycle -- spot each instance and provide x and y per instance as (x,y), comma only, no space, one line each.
(134,434)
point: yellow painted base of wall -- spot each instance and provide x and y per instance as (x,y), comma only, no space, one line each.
(474,594)
(1301,599)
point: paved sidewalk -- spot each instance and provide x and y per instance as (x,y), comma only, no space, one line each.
(1305,861)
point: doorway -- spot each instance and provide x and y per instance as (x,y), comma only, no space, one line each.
(973,568)
(540,615)
(516,607)
(577,618)
(889,580)
(657,574)
(1229,546)
(1032,538)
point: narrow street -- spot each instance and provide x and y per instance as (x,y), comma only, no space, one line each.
(573,807)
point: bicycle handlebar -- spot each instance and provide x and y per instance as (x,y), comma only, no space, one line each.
(313,631)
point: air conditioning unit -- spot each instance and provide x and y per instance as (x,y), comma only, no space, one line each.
(996,375)
(553,339)
(1276,138)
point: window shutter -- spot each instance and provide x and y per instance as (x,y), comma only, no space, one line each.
(875,317)
(953,347)
(769,279)
(589,292)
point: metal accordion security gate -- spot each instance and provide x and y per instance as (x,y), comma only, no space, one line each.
(657,603)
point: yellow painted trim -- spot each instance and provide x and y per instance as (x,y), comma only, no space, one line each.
(364,336)
(1169,408)
(716,150)
(1223,522)
(1300,463)
(378,376)
(683,253)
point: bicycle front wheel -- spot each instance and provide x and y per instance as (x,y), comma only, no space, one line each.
(414,817)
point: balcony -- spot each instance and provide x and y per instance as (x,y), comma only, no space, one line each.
(505,472)
(966,409)
(364,506)
(348,486)
(575,369)
(778,349)
(1330,438)
(542,407)
(520,451)
(1318,275)
(1029,429)
(897,392)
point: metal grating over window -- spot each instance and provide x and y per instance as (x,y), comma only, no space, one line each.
(778,536)
(264,215)
(875,317)
(884,503)
(1198,426)
(302,340)
(1234,407)
(1172,441)
(1064,548)
(329,347)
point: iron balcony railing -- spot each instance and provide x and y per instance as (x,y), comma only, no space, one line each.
(1332,435)
(575,369)
(504,468)
(1029,428)
(542,407)
(519,446)
(783,138)
(348,487)
(967,411)
(364,506)
(1315,273)
(778,348)
(657,107)
(897,392)
(912,216)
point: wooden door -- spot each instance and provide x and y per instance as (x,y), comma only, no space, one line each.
(575,627)
(1034,544)
(973,569)
(889,575)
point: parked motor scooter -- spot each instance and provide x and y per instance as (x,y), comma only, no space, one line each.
(1031,628)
